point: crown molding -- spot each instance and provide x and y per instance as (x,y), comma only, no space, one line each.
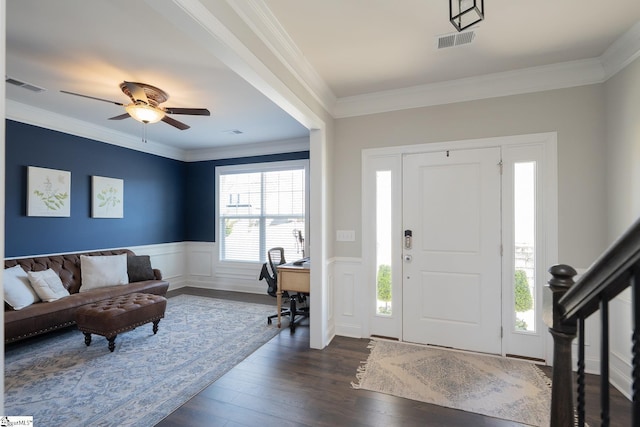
(46,119)
(535,79)
(248,150)
(257,15)
(219,38)
(622,52)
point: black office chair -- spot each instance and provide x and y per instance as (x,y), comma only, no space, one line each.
(269,272)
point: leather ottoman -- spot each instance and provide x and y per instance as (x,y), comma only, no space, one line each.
(121,314)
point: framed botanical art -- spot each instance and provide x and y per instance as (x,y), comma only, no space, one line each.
(107,197)
(48,192)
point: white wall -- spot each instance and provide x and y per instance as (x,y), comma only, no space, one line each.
(622,107)
(599,180)
(577,114)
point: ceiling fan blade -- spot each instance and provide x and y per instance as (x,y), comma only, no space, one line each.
(137,93)
(175,123)
(91,97)
(120,117)
(190,111)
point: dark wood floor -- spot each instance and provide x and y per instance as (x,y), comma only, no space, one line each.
(285,383)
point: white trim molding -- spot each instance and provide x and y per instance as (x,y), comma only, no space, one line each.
(46,119)
(535,79)
(370,158)
(257,15)
(249,150)
(622,52)
(620,355)
(204,270)
(169,258)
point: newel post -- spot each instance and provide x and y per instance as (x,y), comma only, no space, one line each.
(563,333)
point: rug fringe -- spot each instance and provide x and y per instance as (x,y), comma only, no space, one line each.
(549,384)
(362,369)
(543,376)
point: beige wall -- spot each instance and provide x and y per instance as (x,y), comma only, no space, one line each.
(576,114)
(622,106)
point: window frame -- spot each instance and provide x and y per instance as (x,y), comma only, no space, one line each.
(259,168)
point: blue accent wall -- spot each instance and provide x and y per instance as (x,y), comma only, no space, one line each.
(154,197)
(200,193)
(165,200)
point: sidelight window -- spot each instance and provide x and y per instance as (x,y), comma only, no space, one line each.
(383,243)
(524,281)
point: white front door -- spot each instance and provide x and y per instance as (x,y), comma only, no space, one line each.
(452,263)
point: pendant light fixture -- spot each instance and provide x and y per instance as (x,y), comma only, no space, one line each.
(465,13)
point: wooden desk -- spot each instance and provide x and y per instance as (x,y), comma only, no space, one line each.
(291,278)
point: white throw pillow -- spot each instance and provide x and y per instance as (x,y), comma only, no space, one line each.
(47,285)
(102,271)
(18,293)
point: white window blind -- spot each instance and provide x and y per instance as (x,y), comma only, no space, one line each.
(260,207)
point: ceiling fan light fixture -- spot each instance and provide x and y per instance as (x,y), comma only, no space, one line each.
(144,113)
(465,13)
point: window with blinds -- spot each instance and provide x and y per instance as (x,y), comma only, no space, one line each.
(262,206)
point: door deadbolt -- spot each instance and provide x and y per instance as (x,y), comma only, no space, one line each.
(407,239)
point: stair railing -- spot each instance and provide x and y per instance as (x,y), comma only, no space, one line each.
(615,270)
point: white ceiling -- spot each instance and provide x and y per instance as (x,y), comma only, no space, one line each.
(363,46)
(91,46)
(341,49)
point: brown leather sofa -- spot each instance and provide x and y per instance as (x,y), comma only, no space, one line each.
(44,317)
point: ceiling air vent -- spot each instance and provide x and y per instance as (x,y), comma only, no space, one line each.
(455,39)
(24,85)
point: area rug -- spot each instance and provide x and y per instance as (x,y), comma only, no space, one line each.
(61,382)
(503,388)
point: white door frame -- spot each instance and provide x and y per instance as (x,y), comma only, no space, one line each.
(392,155)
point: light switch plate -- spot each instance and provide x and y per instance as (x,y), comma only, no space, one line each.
(346,235)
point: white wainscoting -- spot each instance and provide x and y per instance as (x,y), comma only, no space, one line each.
(591,346)
(204,270)
(591,341)
(620,330)
(196,264)
(348,297)
(619,342)
(169,258)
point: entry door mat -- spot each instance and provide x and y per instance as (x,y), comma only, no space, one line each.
(60,381)
(509,389)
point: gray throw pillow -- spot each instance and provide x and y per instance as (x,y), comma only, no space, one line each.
(139,268)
